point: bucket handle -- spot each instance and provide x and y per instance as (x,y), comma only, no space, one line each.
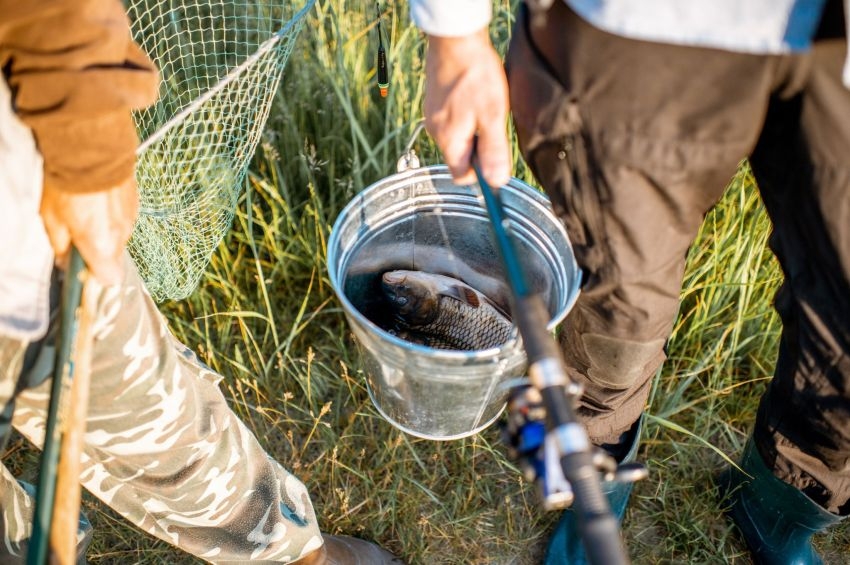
(409,159)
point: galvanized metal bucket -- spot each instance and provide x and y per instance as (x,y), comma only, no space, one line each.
(420,220)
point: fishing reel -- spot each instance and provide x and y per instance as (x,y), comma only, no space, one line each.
(536,452)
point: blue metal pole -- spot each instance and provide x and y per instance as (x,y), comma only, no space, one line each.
(63,371)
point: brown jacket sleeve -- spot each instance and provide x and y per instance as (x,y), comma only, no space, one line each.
(75,75)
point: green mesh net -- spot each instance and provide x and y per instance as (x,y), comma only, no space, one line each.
(220,64)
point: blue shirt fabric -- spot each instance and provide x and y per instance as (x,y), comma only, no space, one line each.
(747,26)
(753,26)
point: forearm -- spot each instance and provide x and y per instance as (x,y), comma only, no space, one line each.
(75,75)
(466,91)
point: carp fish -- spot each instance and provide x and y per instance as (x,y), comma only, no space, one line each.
(444,313)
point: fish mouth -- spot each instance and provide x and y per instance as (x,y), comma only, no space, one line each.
(393,278)
(391,284)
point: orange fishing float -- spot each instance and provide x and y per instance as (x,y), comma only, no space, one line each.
(383,73)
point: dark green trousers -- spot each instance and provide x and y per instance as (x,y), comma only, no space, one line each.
(634,142)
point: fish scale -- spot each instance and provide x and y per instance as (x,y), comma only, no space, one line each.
(466,324)
(465,328)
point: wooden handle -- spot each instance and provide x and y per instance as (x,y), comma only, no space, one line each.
(66,511)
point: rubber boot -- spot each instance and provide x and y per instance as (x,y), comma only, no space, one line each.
(565,545)
(776,519)
(344,550)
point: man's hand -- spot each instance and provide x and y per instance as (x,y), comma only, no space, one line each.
(466,93)
(97,223)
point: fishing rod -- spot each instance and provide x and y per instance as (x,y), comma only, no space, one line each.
(383,72)
(57,500)
(580,465)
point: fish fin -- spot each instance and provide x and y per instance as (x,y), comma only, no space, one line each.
(497,308)
(463,294)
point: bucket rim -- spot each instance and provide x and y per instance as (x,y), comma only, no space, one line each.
(441,171)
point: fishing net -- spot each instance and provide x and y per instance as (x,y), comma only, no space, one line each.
(220,64)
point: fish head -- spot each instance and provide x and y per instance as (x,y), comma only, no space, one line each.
(413,300)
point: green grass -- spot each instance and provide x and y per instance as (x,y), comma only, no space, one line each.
(266,318)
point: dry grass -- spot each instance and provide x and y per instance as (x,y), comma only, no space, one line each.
(266,318)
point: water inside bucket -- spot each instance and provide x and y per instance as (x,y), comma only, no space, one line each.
(426,242)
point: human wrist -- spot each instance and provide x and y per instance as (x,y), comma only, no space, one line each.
(93,154)
(449,57)
(459,47)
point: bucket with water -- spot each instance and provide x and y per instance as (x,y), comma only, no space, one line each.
(420,220)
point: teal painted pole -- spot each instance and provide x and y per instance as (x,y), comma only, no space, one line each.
(597,526)
(63,372)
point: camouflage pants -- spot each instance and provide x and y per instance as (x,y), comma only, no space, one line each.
(162,447)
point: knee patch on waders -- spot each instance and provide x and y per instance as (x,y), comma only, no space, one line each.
(620,363)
